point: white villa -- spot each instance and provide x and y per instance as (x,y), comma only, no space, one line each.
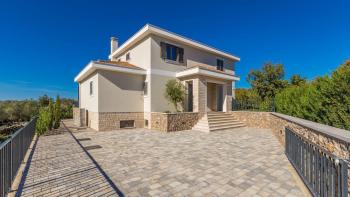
(127,90)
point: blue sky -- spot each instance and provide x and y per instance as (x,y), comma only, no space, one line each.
(44,44)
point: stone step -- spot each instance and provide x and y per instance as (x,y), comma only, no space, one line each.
(212,125)
(222,118)
(223,121)
(227,127)
(218,114)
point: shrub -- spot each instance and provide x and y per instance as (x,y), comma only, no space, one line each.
(57,113)
(43,122)
(175,93)
(51,114)
(325,100)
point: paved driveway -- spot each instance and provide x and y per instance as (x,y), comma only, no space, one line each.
(240,162)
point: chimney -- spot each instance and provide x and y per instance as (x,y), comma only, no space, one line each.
(114,44)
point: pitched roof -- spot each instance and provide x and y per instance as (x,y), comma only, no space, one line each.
(151,29)
(115,66)
(118,63)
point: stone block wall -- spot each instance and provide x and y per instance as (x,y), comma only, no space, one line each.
(111,120)
(169,122)
(334,140)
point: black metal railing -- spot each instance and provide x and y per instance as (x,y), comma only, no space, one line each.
(322,172)
(12,152)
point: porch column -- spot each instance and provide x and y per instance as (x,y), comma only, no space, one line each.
(199,95)
(227,91)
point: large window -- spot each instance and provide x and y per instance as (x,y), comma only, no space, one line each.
(91,88)
(220,64)
(172,52)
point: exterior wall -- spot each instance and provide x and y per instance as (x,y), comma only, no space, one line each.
(111,120)
(159,103)
(140,54)
(87,101)
(93,120)
(79,117)
(192,57)
(120,92)
(169,122)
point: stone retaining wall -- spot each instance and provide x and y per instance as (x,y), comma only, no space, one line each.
(334,140)
(168,122)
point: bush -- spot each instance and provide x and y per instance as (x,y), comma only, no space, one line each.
(325,100)
(51,114)
(57,113)
(43,122)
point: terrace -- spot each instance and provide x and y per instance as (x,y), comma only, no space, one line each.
(249,161)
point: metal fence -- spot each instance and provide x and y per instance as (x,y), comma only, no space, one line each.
(12,152)
(323,173)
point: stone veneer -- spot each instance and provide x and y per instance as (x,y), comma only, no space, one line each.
(168,122)
(111,120)
(334,140)
(105,121)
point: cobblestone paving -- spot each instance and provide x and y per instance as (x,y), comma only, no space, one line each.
(240,162)
(60,167)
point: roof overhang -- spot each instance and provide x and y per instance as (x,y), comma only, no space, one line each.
(93,66)
(150,29)
(205,72)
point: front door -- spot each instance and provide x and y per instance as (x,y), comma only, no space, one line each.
(190,97)
(219,96)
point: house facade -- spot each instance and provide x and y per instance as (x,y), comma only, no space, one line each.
(126,89)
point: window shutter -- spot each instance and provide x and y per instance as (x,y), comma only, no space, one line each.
(163,50)
(181,55)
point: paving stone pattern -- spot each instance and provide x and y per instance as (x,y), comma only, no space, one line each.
(237,162)
(60,167)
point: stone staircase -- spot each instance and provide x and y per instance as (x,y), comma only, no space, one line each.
(215,121)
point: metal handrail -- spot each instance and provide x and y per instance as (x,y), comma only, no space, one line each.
(12,153)
(322,172)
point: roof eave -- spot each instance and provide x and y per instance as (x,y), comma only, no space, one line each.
(150,29)
(204,72)
(93,66)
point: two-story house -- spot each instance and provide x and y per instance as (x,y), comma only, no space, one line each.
(128,87)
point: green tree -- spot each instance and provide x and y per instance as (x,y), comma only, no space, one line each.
(325,100)
(44,100)
(57,113)
(297,80)
(51,114)
(175,93)
(268,81)
(43,122)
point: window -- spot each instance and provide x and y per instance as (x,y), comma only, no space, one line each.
(127,56)
(145,88)
(220,64)
(91,88)
(127,124)
(172,52)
